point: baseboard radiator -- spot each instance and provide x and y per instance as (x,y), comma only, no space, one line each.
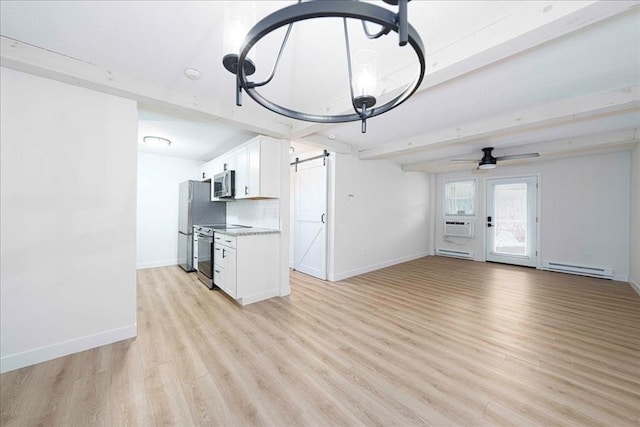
(454,254)
(604,273)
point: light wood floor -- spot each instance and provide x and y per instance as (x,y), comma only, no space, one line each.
(435,341)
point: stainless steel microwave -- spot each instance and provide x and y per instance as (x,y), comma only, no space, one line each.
(223,184)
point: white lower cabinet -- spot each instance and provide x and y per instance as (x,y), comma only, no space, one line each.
(246,267)
(224,269)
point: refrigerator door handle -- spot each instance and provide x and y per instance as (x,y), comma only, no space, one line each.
(190,191)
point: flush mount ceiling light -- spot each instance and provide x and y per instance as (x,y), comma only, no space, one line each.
(362,97)
(156,141)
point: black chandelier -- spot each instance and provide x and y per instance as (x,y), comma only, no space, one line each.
(364,105)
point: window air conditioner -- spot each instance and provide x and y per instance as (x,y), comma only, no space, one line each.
(458,229)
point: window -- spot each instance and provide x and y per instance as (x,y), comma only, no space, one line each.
(459,197)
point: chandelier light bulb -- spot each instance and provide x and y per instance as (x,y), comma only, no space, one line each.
(365,76)
(239,17)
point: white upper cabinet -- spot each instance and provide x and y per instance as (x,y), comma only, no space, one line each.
(256,187)
(217,165)
(208,170)
(242,173)
(227,162)
(258,169)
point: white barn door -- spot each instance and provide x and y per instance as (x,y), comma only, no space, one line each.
(310,217)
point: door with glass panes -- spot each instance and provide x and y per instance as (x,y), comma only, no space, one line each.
(511,221)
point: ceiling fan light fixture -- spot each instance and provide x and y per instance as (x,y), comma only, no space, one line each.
(488,161)
(363,103)
(486,165)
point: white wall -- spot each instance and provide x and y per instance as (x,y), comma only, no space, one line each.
(255,213)
(634,232)
(384,223)
(68,219)
(159,178)
(584,207)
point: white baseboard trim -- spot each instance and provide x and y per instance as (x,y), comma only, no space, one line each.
(153,264)
(620,277)
(366,269)
(635,284)
(285,289)
(258,297)
(53,351)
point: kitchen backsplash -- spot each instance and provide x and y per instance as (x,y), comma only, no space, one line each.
(256,213)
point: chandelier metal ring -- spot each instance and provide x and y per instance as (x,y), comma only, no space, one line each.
(328,9)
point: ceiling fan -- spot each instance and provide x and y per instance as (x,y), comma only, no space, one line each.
(490,162)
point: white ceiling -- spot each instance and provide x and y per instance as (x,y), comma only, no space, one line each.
(560,78)
(194,139)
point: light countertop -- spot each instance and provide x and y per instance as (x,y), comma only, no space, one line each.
(246,231)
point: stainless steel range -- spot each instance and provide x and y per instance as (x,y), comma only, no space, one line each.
(206,251)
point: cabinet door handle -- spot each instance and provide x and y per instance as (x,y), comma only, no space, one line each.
(203,175)
(217,271)
(246,190)
(223,253)
(228,241)
(217,249)
(322,218)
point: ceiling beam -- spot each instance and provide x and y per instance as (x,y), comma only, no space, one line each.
(328,144)
(522,31)
(574,145)
(527,29)
(44,63)
(560,112)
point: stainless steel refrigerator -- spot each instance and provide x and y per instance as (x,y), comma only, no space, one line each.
(195,208)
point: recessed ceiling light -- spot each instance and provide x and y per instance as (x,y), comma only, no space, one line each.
(331,137)
(192,74)
(156,141)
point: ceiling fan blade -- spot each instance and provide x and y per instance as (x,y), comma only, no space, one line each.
(464,160)
(518,156)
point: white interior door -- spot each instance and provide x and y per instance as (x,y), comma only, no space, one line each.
(310,218)
(511,221)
